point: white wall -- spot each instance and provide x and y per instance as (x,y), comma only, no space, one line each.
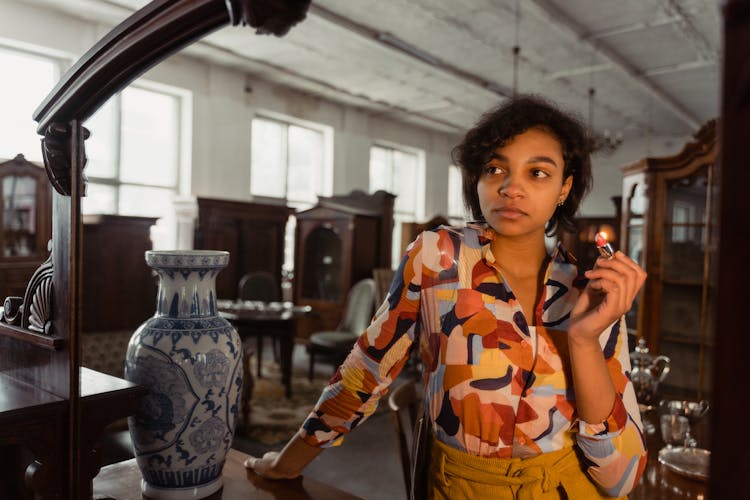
(223,107)
(608,176)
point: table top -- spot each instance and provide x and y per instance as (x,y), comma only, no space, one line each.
(252,310)
(660,482)
(122,481)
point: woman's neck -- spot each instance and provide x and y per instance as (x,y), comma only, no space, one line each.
(520,257)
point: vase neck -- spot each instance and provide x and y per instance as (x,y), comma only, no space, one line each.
(186,293)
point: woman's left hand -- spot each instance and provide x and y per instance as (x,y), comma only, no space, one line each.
(613,285)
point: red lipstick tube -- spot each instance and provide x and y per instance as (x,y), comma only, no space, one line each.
(605,249)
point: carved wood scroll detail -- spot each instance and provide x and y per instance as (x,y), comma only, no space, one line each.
(33,311)
(56,152)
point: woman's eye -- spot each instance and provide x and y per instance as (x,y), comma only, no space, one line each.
(540,173)
(492,169)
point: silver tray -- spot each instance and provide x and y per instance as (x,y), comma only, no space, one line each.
(691,462)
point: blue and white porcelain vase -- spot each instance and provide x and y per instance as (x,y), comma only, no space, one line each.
(190,361)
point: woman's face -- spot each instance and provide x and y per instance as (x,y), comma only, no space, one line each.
(521,185)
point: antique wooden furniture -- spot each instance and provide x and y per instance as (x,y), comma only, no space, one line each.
(118,286)
(122,481)
(732,274)
(657,481)
(26,216)
(334,345)
(252,233)
(339,242)
(405,403)
(44,397)
(667,227)
(275,320)
(43,368)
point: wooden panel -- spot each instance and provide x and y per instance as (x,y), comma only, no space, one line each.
(729,467)
(253,234)
(119,290)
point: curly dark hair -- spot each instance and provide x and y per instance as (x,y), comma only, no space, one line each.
(515,116)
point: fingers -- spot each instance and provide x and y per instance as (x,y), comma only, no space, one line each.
(265,466)
(620,278)
(260,466)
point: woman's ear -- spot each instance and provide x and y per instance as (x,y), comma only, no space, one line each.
(566,187)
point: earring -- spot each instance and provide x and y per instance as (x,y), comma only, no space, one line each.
(560,203)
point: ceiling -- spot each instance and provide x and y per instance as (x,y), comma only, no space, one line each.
(654,65)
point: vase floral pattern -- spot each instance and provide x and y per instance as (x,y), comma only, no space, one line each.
(189,360)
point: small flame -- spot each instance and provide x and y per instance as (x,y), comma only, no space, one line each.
(601,239)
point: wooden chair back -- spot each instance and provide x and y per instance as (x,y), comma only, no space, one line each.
(404,402)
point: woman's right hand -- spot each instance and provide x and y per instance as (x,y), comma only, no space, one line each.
(267,466)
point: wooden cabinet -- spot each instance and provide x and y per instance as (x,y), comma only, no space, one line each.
(119,290)
(252,233)
(666,226)
(582,244)
(26,215)
(339,242)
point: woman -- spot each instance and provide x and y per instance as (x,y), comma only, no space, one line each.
(525,358)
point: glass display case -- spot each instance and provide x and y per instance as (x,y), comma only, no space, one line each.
(339,242)
(666,228)
(25,223)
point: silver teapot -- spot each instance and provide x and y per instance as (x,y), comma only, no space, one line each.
(647,373)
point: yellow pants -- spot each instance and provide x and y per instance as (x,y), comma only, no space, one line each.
(454,474)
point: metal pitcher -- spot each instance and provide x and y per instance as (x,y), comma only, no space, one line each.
(647,373)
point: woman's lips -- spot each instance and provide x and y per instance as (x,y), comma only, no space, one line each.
(509,212)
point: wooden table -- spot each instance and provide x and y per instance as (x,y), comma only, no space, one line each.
(274,319)
(658,482)
(35,420)
(122,482)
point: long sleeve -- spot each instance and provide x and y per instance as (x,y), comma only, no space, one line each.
(616,447)
(376,359)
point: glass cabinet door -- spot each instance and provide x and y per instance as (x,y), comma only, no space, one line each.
(19,196)
(685,294)
(323,266)
(634,227)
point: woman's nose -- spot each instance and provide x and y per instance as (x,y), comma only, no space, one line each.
(510,187)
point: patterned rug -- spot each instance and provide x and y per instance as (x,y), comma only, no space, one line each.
(273,418)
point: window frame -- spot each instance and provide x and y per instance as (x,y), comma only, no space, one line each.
(326,175)
(399,216)
(183,160)
(285,121)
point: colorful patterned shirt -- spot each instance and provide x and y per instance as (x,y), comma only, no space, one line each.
(495,386)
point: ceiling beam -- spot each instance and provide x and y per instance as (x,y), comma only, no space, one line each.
(305,84)
(675,68)
(582,70)
(689,31)
(394,43)
(631,28)
(553,15)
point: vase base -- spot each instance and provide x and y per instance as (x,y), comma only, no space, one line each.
(204,490)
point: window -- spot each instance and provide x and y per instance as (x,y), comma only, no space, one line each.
(400,172)
(456,210)
(290,161)
(27,79)
(134,152)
